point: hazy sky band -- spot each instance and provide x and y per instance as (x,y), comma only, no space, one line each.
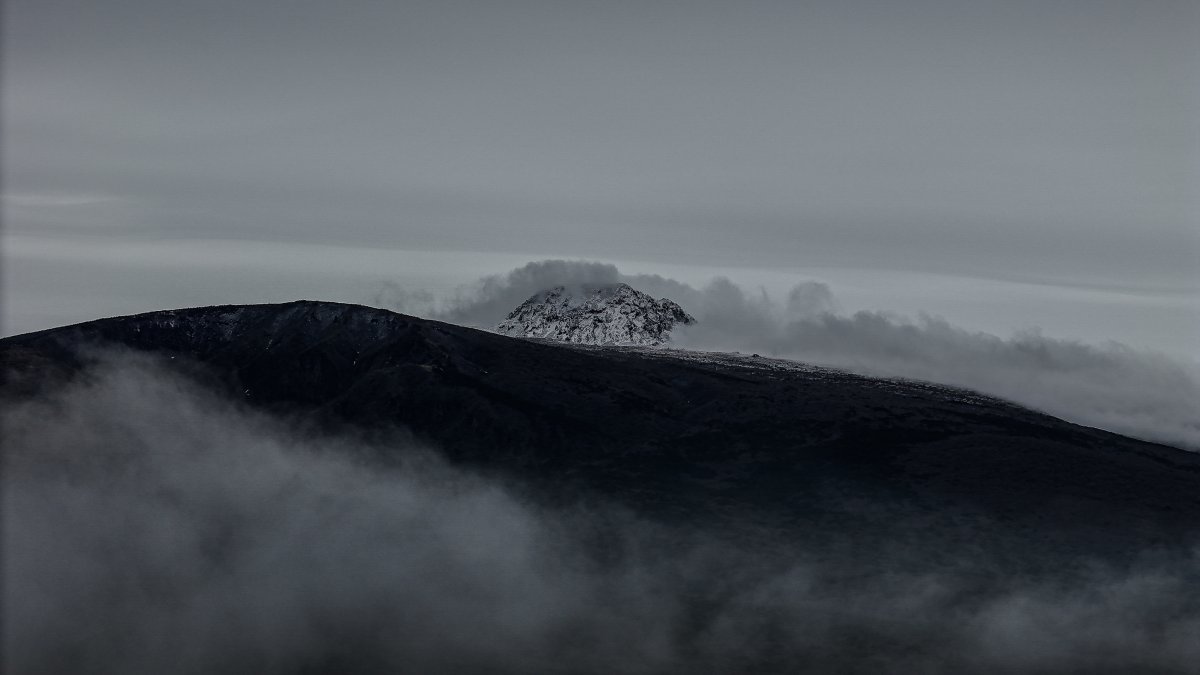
(1019,138)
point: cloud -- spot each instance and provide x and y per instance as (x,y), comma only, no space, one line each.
(1114,387)
(1110,386)
(55,200)
(150,526)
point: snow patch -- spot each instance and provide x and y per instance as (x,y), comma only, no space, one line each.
(612,314)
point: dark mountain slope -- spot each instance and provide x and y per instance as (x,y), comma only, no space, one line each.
(698,437)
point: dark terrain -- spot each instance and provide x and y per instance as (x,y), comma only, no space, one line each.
(852,463)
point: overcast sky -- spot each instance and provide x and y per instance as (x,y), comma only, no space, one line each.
(1021,141)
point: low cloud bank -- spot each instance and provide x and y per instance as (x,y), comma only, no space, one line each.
(1110,386)
(151,527)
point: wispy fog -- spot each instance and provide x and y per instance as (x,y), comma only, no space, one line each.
(150,527)
(1139,393)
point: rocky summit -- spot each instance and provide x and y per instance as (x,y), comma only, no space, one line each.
(615,314)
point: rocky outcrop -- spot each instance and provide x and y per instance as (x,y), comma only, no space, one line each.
(614,314)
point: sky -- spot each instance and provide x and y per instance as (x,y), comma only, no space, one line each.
(1006,165)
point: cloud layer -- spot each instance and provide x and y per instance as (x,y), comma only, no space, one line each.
(1110,386)
(150,527)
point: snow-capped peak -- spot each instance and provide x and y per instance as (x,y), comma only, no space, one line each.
(608,314)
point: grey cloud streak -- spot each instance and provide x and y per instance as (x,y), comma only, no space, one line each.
(150,527)
(1138,393)
(1017,138)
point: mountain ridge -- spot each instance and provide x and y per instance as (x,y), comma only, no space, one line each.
(821,458)
(680,435)
(287,449)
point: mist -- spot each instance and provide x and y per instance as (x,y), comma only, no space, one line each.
(152,526)
(1139,393)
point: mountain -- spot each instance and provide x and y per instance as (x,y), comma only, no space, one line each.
(615,314)
(845,462)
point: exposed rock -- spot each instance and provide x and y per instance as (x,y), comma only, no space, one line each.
(598,315)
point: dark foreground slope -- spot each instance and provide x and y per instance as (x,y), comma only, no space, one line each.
(685,437)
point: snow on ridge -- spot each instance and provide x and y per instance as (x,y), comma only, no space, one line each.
(612,314)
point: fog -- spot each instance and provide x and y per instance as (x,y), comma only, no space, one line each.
(150,527)
(1139,393)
